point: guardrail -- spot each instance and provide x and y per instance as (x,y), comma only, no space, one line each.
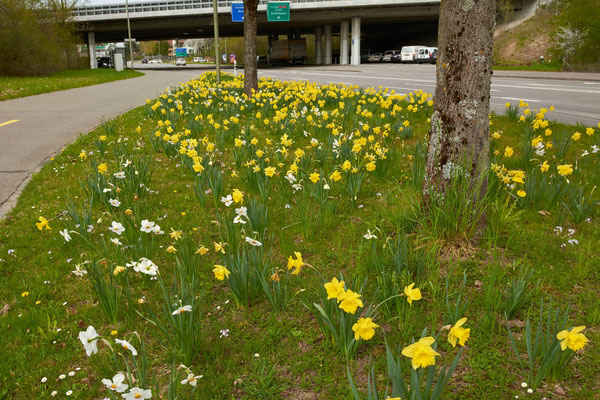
(166,5)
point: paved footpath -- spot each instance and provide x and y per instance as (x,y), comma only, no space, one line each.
(48,122)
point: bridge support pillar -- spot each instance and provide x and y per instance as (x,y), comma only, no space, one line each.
(92,50)
(344,31)
(318,46)
(328,44)
(355,55)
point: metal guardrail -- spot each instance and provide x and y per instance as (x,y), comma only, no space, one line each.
(165,5)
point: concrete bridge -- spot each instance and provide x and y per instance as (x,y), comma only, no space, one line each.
(352,20)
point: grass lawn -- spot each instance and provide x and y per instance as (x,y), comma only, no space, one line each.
(12,87)
(200,235)
(537,66)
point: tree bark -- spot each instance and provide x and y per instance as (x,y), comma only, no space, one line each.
(250,26)
(459,134)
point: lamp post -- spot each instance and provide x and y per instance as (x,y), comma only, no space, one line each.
(129,32)
(217,56)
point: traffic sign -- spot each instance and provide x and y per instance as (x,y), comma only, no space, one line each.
(278,11)
(181,52)
(237,12)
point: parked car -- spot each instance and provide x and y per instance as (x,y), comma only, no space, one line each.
(387,56)
(427,55)
(409,53)
(365,54)
(396,57)
(376,57)
(199,59)
(155,61)
(180,62)
(144,61)
(261,60)
(104,62)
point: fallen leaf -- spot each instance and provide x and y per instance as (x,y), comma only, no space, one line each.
(5,309)
(478,284)
(544,213)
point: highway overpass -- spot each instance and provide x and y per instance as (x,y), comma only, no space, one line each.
(352,20)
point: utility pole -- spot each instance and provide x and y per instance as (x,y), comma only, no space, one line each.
(226,54)
(217,55)
(129,32)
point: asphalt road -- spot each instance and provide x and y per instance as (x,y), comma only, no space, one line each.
(43,124)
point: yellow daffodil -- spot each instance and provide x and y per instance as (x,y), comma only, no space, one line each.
(118,269)
(102,168)
(508,151)
(175,234)
(219,247)
(335,176)
(576,136)
(350,301)
(458,333)
(221,272)
(521,193)
(297,263)
(334,288)
(565,169)
(364,329)
(42,224)
(202,250)
(544,167)
(573,339)
(270,171)
(238,196)
(314,177)
(412,294)
(421,353)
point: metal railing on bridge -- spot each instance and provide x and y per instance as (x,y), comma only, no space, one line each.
(165,5)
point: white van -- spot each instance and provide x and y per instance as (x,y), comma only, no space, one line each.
(409,53)
(427,55)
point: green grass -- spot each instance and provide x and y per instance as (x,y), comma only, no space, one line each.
(14,87)
(538,66)
(295,359)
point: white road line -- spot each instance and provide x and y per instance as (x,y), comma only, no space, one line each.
(514,98)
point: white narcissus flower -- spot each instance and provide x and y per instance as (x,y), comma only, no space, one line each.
(116,383)
(227,200)
(65,234)
(156,229)
(369,235)
(117,227)
(137,394)
(183,309)
(146,266)
(191,379)
(119,175)
(127,346)
(89,337)
(253,242)
(116,241)
(146,226)
(114,202)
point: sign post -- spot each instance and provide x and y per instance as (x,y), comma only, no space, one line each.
(278,11)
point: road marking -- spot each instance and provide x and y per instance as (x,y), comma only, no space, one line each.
(591,83)
(12,121)
(514,98)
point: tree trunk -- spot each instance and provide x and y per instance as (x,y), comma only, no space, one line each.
(459,134)
(250,23)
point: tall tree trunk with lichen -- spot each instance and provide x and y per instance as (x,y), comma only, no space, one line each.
(459,133)
(250,24)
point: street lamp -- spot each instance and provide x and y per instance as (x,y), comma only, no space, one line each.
(217,56)
(129,32)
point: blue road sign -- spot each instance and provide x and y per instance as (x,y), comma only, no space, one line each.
(237,12)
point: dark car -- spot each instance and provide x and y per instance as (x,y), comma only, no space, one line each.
(144,61)
(104,62)
(396,58)
(365,54)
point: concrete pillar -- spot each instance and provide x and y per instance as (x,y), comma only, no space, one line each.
(355,50)
(92,50)
(318,46)
(344,30)
(328,44)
